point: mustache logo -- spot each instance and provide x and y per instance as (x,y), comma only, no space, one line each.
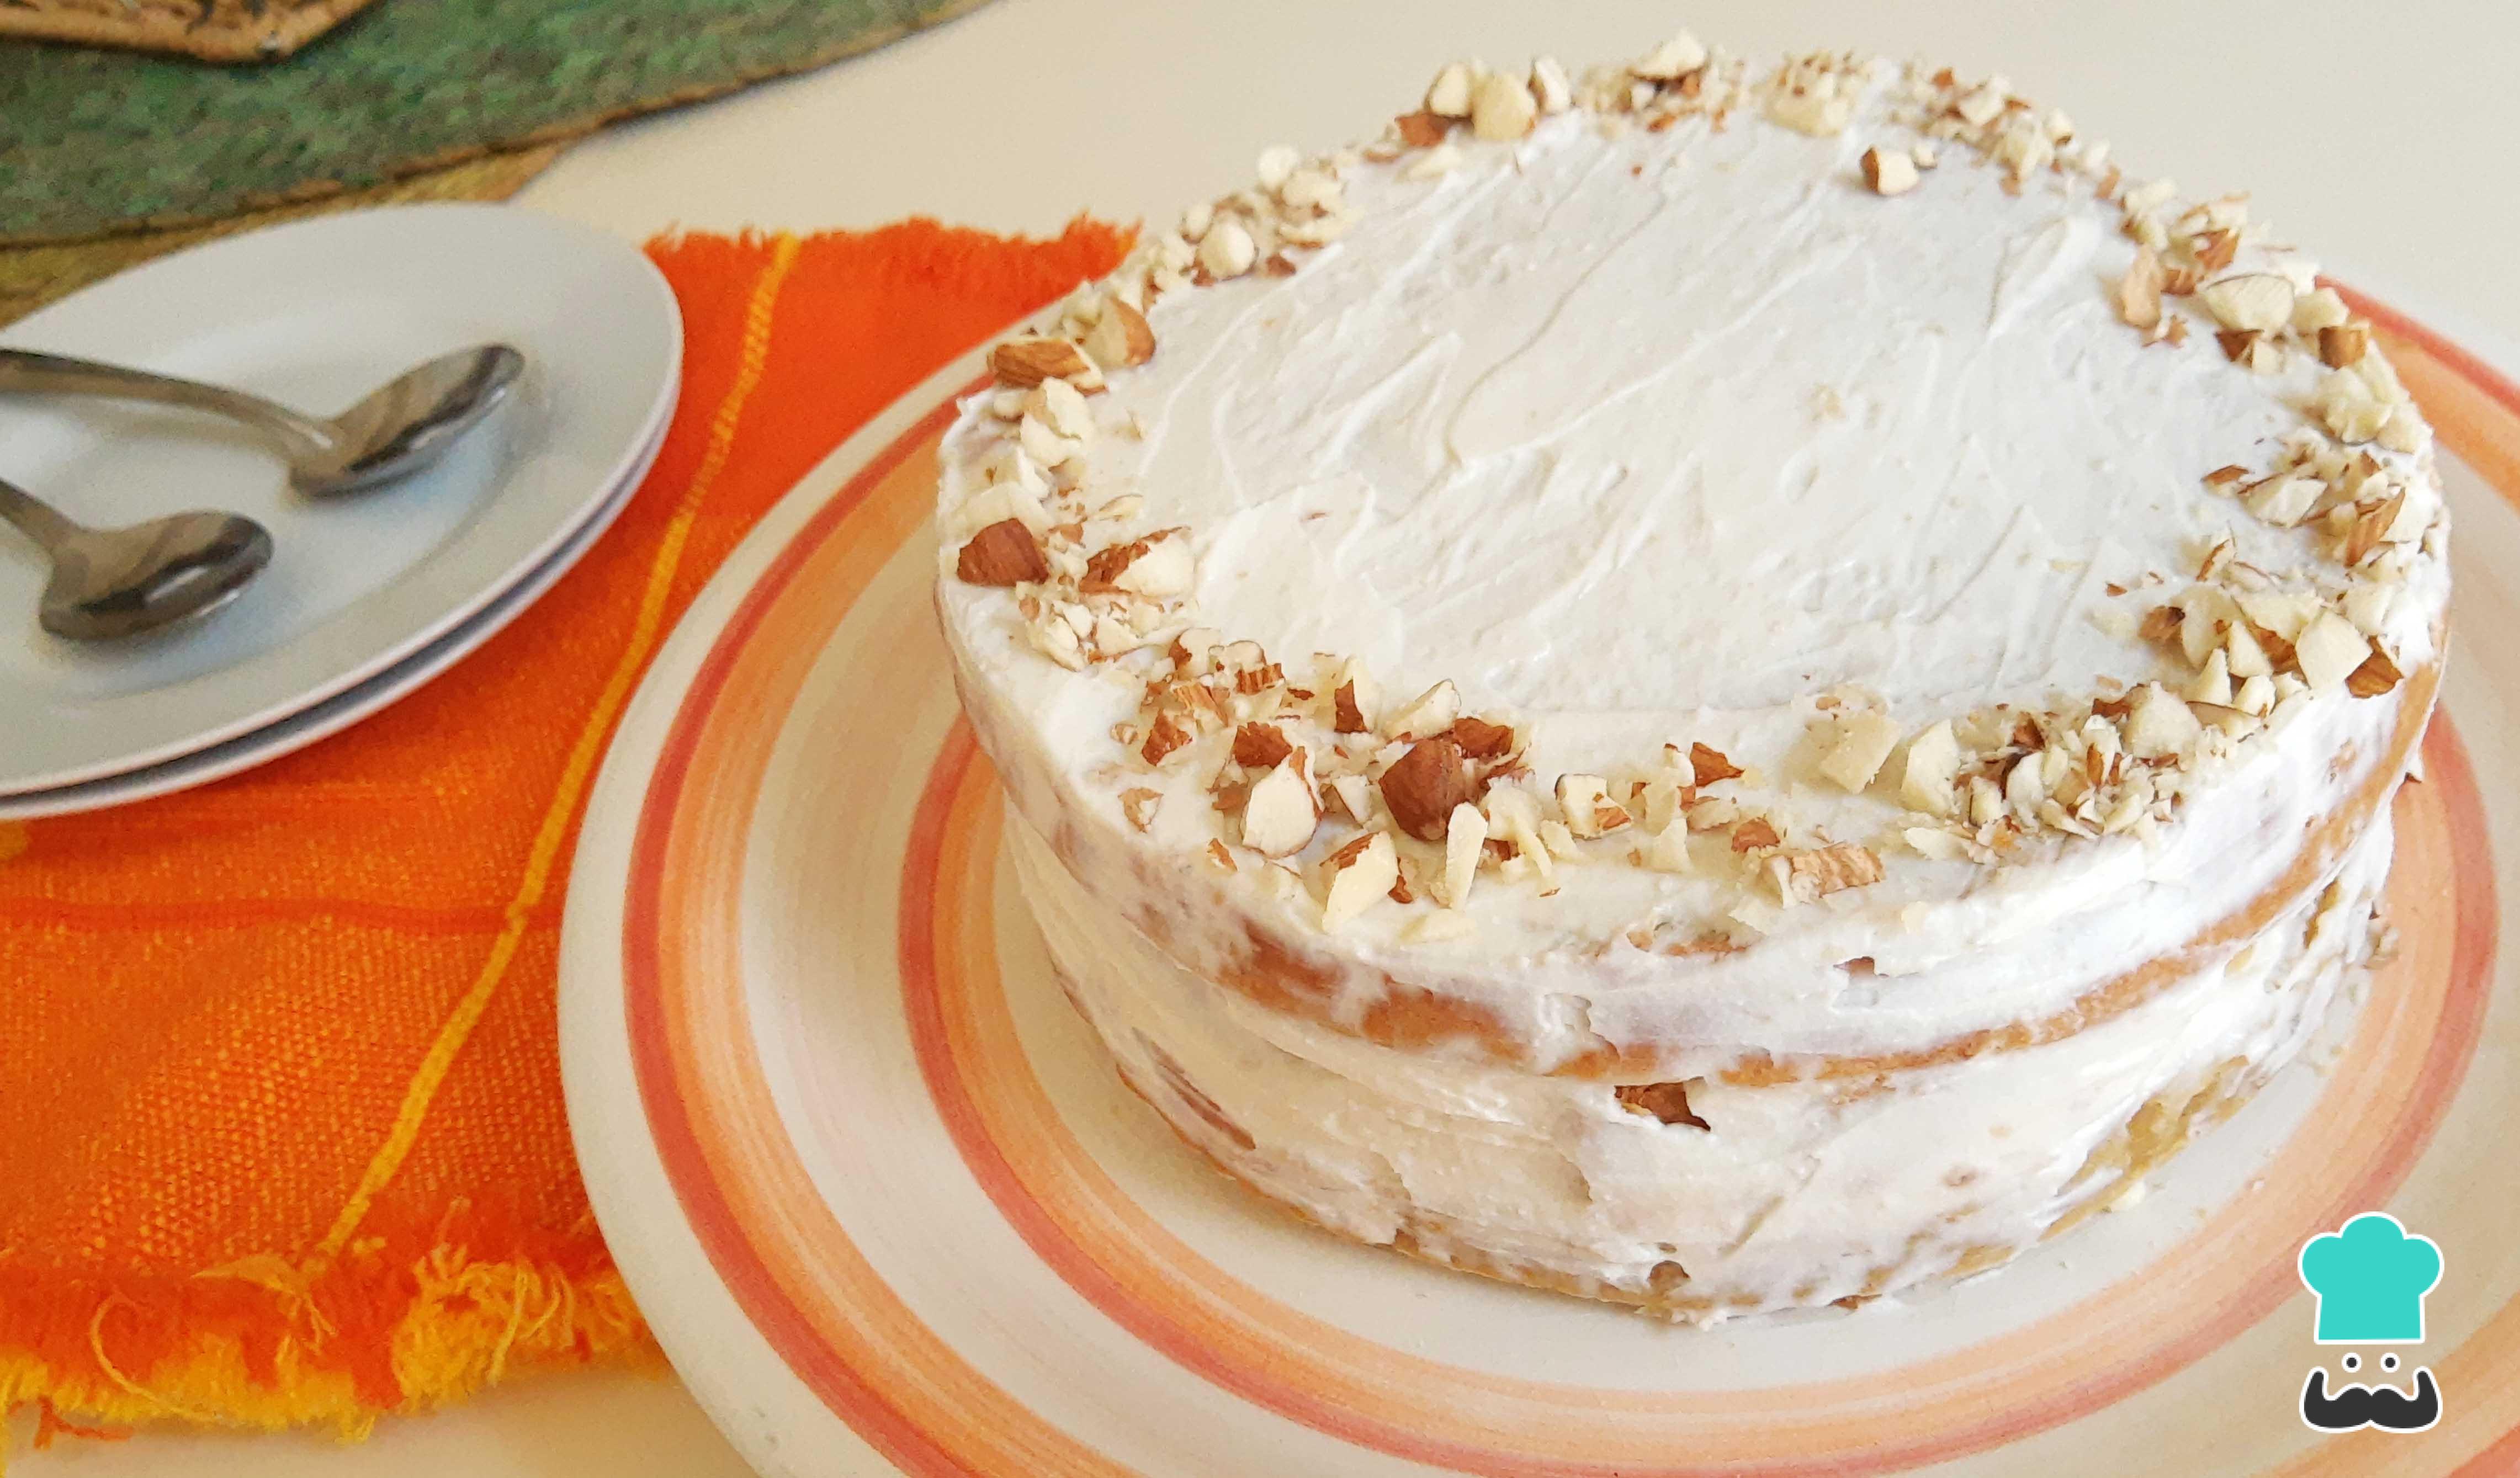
(2372,1406)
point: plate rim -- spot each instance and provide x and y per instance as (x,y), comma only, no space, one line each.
(649,304)
(607,1127)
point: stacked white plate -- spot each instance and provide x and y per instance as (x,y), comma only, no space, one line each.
(370,594)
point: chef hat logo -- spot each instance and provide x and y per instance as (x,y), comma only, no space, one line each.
(2370,1278)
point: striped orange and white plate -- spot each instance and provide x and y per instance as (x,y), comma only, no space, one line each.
(887,1210)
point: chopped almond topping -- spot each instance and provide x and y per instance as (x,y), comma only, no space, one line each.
(1281,813)
(2330,650)
(2180,281)
(1159,565)
(1003,554)
(2280,652)
(2216,248)
(1667,1102)
(2236,342)
(1139,805)
(1219,854)
(2161,623)
(1863,742)
(1431,713)
(2261,301)
(1364,870)
(1756,832)
(2139,290)
(1481,739)
(1423,785)
(1164,738)
(1709,765)
(1190,651)
(2370,526)
(1030,361)
(2215,558)
(1584,800)
(2376,676)
(1257,746)
(1893,173)
(1466,837)
(1423,129)
(1121,336)
(1348,717)
(2343,345)
(1107,565)
(1502,106)
(2225,477)
(1808,876)
(1348,851)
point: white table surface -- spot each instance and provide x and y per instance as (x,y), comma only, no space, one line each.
(2379,137)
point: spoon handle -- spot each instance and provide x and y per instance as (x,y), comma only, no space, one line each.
(28,371)
(35,518)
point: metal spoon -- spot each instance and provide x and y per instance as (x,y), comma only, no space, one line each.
(400,427)
(119,582)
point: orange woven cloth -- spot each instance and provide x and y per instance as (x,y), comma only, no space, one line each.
(281,1132)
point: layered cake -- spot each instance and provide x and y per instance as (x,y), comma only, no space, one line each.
(1713,687)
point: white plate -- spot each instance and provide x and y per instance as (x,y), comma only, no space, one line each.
(297,729)
(886,1209)
(315,313)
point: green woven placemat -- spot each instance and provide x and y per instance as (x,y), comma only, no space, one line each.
(33,276)
(93,141)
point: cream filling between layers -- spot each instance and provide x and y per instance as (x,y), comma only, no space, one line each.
(1798,1193)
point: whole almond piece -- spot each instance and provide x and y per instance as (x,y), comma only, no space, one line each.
(1028,362)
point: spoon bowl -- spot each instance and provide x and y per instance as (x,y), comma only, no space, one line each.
(409,421)
(112,583)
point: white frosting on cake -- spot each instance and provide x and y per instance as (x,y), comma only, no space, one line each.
(1652,437)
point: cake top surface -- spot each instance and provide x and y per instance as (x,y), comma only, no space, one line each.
(1764,465)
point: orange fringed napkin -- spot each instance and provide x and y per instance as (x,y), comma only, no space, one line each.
(281,1137)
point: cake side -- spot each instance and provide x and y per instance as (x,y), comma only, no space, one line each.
(1706,1200)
